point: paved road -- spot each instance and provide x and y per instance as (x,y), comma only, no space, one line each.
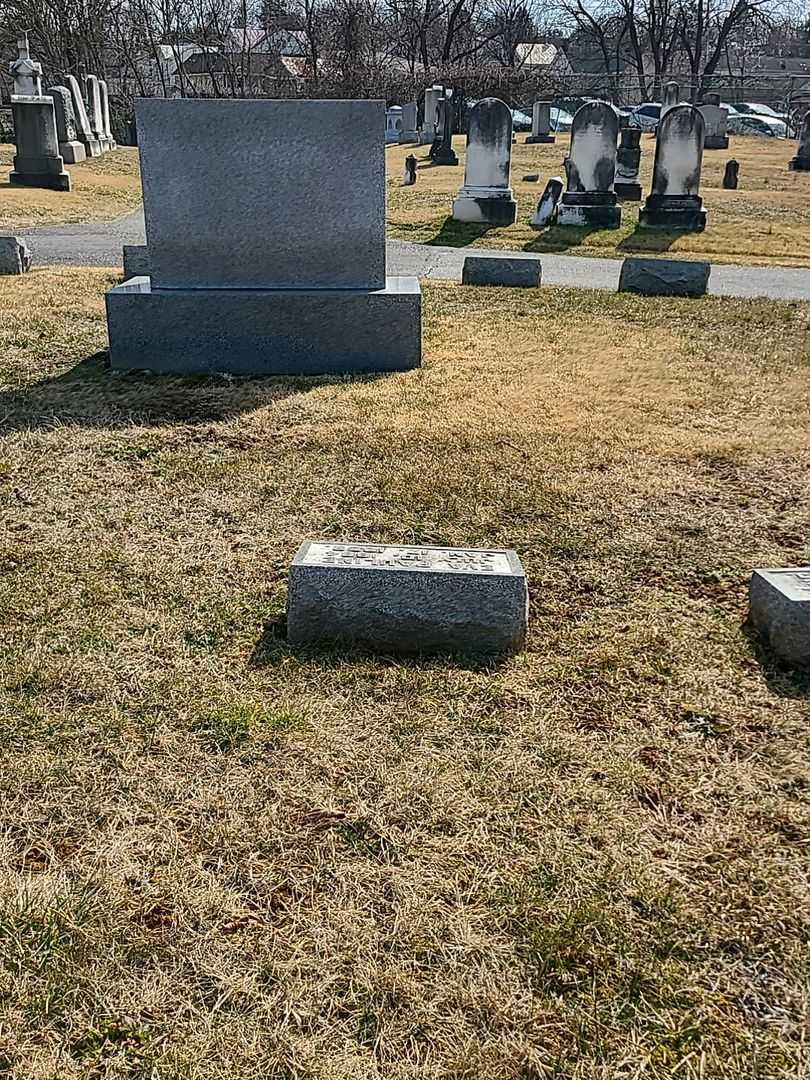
(100,245)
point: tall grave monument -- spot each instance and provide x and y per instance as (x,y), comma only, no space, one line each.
(37,162)
(628,161)
(410,130)
(96,112)
(486,196)
(83,129)
(70,146)
(590,199)
(674,202)
(715,120)
(541,123)
(442,152)
(261,264)
(431,115)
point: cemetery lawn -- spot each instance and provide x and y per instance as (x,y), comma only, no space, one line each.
(224,857)
(102,189)
(766,221)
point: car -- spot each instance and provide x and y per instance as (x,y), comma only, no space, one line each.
(768,126)
(748,108)
(560,119)
(520,121)
(646,116)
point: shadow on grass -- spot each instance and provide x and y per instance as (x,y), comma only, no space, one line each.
(272,649)
(648,240)
(90,395)
(458,233)
(563,238)
(783,680)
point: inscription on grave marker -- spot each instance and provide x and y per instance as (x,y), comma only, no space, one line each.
(388,557)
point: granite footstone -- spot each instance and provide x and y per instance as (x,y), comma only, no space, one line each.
(408,600)
(519,273)
(780,611)
(664,277)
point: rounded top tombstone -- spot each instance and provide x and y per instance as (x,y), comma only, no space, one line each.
(489,144)
(678,152)
(592,158)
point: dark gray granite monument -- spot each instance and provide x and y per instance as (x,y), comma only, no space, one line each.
(486,196)
(801,162)
(70,146)
(15,256)
(83,130)
(408,600)
(664,277)
(715,120)
(731,176)
(628,162)
(541,123)
(590,199)
(442,152)
(37,162)
(780,611)
(547,206)
(509,272)
(674,202)
(258,266)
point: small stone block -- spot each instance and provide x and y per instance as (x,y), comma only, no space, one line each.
(408,599)
(136,261)
(508,273)
(664,277)
(15,256)
(780,611)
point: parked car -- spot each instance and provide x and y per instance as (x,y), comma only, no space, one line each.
(520,121)
(646,116)
(748,108)
(560,119)
(769,126)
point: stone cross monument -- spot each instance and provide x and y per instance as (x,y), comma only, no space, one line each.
(27,74)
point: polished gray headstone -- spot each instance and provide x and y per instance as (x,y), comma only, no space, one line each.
(780,611)
(664,277)
(242,195)
(136,261)
(408,599)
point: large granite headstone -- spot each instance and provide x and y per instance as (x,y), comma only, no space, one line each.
(37,162)
(547,206)
(669,98)
(70,146)
(674,202)
(801,162)
(486,196)
(590,199)
(96,112)
(83,130)
(541,123)
(408,600)
(628,161)
(780,611)
(260,262)
(409,133)
(715,120)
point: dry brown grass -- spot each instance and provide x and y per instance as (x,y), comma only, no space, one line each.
(767,220)
(222,857)
(101,190)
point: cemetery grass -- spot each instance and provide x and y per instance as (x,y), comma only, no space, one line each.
(766,221)
(101,190)
(224,857)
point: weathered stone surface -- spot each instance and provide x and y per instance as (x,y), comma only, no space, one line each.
(731,176)
(541,123)
(801,162)
(15,256)
(26,73)
(136,261)
(96,111)
(486,196)
(670,97)
(664,277)
(265,332)
(628,160)
(70,146)
(410,132)
(105,113)
(780,611)
(442,152)
(237,196)
(508,272)
(393,124)
(674,202)
(83,129)
(37,162)
(715,120)
(431,114)
(547,206)
(408,599)
(590,168)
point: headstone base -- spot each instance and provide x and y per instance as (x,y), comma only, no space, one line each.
(265,332)
(41,172)
(715,142)
(595,210)
(408,600)
(445,155)
(628,191)
(72,152)
(800,163)
(531,139)
(92,148)
(487,206)
(683,213)
(780,611)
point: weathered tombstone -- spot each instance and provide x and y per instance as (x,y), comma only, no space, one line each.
(628,160)
(547,207)
(105,113)
(430,119)
(96,112)
(442,152)
(26,73)
(263,271)
(486,196)
(37,162)
(669,99)
(393,124)
(664,277)
(409,179)
(70,147)
(731,176)
(15,257)
(715,120)
(408,599)
(591,168)
(409,133)
(541,123)
(801,162)
(779,609)
(674,202)
(83,129)
(511,272)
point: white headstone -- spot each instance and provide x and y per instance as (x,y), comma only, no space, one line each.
(670,97)
(26,73)
(486,196)
(393,124)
